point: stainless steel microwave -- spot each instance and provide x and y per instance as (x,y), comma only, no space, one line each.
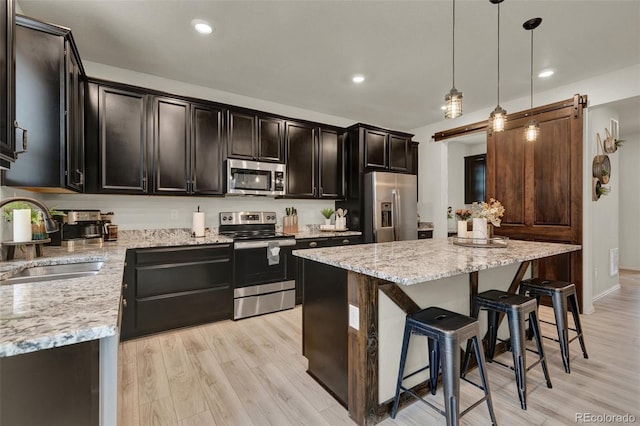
(255,178)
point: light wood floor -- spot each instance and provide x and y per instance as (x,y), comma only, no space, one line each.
(251,372)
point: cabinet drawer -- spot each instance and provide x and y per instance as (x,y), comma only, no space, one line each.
(423,235)
(177,310)
(181,254)
(166,278)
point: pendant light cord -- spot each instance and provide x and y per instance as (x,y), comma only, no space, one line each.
(498,54)
(531,73)
(453,56)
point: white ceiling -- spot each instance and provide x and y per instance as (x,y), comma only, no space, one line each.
(303,53)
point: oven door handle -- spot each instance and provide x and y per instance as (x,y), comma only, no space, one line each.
(245,245)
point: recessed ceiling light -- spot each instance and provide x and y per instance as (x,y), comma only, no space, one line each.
(203,27)
(545,73)
(358,78)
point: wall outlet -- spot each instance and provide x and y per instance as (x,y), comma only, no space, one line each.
(595,272)
(174,214)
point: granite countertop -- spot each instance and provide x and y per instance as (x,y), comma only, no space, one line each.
(418,261)
(47,314)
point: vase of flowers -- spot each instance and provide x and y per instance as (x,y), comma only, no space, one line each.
(463,216)
(492,212)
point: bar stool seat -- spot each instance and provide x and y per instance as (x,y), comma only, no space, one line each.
(517,308)
(563,298)
(445,331)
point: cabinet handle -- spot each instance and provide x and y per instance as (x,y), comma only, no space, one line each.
(125,286)
(313,244)
(80,176)
(321,191)
(124,303)
(314,190)
(345,241)
(24,137)
(144,184)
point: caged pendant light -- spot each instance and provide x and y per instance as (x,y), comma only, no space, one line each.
(453,99)
(498,118)
(532,129)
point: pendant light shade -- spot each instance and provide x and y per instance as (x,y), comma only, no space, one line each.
(453,99)
(532,128)
(498,118)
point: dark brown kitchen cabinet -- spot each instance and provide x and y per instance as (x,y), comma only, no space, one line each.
(255,136)
(301,175)
(171,146)
(116,135)
(385,150)
(7,68)
(314,161)
(207,139)
(50,86)
(157,297)
(187,147)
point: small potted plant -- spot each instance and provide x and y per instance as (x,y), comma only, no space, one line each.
(327,212)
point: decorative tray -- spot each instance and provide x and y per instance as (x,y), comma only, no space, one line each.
(494,242)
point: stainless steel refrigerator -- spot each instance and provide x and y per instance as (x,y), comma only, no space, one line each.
(390,207)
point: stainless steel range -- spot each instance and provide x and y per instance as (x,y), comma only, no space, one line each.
(260,282)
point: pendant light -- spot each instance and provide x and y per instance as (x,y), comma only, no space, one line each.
(453,99)
(532,128)
(498,118)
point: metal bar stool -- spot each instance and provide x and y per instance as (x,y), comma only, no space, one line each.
(517,308)
(563,298)
(445,331)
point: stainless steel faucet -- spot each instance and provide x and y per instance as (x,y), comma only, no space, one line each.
(50,225)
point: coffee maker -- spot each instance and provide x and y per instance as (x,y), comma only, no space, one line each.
(78,227)
(109,229)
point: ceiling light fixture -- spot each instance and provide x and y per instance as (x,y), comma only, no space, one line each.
(453,99)
(498,118)
(532,128)
(545,73)
(358,78)
(203,27)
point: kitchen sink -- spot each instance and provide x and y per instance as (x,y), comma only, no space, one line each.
(54,272)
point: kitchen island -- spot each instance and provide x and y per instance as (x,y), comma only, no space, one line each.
(361,295)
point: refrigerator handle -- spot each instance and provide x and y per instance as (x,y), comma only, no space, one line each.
(395,213)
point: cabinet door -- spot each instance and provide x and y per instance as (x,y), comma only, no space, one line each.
(301,160)
(330,164)
(74,168)
(122,141)
(7,112)
(206,149)
(171,146)
(375,149)
(399,153)
(242,134)
(270,136)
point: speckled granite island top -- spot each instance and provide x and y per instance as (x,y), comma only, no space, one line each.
(418,261)
(47,314)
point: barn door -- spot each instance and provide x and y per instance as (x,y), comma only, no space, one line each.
(540,184)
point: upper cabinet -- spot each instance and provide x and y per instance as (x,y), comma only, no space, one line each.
(314,158)
(7,64)
(117,140)
(148,144)
(49,87)
(383,149)
(253,136)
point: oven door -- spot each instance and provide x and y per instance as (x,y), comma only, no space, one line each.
(252,265)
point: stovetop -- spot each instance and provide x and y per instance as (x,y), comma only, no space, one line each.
(253,234)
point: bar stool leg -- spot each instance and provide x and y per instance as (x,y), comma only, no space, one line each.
(493,318)
(403,360)
(535,325)
(573,303)
(434,364)
(560,312)
(517,331)
(450,353)
(483,376)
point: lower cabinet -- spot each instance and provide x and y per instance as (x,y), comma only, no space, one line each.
(171,287)
(306,243)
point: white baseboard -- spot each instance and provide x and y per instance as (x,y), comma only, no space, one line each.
(607,291)
(628,268)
